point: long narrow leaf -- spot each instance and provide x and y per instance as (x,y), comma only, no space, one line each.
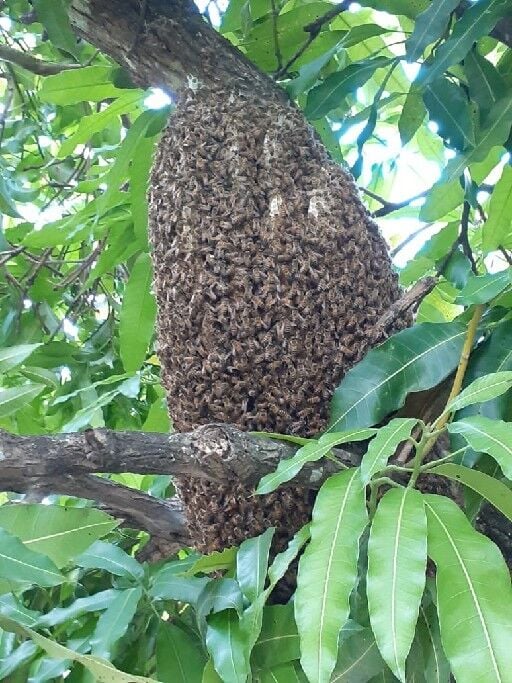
(384,445)
(488,436)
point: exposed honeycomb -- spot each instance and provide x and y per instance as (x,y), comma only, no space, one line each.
(269,273)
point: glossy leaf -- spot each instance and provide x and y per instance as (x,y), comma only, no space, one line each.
(328,570)
(13,399)
(59,532)
(412,115)
(482,389)
(487,436)
(251,564)
(12,356)
(179,657)
(358,658)
(448,106)
(442,198)
(137,317)
(384,444)
(92,603)
(485,83)
(284,673)
(311,452)
(397,562)
(497,230)
(278,641)
(428,27)
(19,563)
(486,486)
(114,621)
(91,83)
(226,643)
(474,597)
(413,360)
(437,669)
(102,555)
(482,288)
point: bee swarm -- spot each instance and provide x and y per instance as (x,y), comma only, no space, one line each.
(269,275)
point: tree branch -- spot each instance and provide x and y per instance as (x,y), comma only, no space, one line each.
(33,64)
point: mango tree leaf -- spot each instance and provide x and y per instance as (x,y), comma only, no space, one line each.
(311,452)
(383,446)
(482,288)
(412,115)
(19,563)
(487,436)
(397,562)
(478,20)
(103,671)
(92,603)
(13,399)
(486,85)
(331,93)
(209,673)
(59,532)
(216,561)
(16,659)
(12,606)
(137,317)
(102,555)
(448,106)
(428,27)
(486,486)
(226,643)
(278,641)
(437,669)
(482,389)
(216,596)
(90,84)
(53,14)
(474,597)
(284,673)
(413,360)
(179,657)
(114,622)
(328,570)
(7,203)
(442,198)
(358,658)
(497,230)
(12,356)
(139,172)
(251,564)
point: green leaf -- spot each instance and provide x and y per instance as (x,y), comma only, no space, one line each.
(358,658)
(251,564)
(285,673)
(53,14)
(482,389)
(412,115)
(437,669)
(384,445)
(167,585)
(397,562)
(7,203)
(103,671)
(179,657)
(442,198)
(278,641)
(474,598)
(137,317)
(311,452)
(18,657)
(95,123)
(485,82)
(12,356)
(448,106)
(114,622)
(102,555)
(328,571)
(428,27)
(497,230)
(19,563)
(486,486)
(413,360)
(139,174)
(13,399)
(11,606)
(478,20)
(331,93)
(209,673)
(226,643)
(487,436)
(92,603)
(90,84)
(482,288)
(216,561)
(59,532)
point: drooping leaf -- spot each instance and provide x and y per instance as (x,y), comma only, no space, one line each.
(16,659)
(487,436)
(92,603)
(397,561)
(485,82)
(12,606)
(226,643)
(413,360)
(111,558)
(114,622)
(474,597)
(331,93)
(179,657)
(384,444)
(412,115)
(448,106)
(19,563)
(251,564)
(103,671)
(137,317)
(478,20)
(482,288)
(59,532)
(13,399)
(482,389)
(358,658)
(139,182)
(428,27)
(90,83)
(12,356)
(278,641)
(442,198)
(486,486)
(328,570)
(53,15)
(497,230)
(216,561)
(311,452)
(437,669)
(216,596)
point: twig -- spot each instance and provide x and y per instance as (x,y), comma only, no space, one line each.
(389,207)
(33,64)
(277,49)
(409,239)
